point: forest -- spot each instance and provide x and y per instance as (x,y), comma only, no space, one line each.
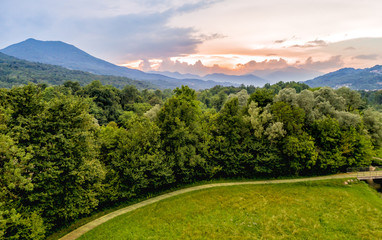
(68,150)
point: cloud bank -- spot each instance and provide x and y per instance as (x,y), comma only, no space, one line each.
(251,67)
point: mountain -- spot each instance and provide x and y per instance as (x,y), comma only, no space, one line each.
(69,56)
(287,74)
(366,79)
(14,72)
(177,75)
(248,79)
(256,78)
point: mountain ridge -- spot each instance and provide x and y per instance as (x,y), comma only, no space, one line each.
(256,78)
(15,72)
(68,56)
(357,79)
(287,74)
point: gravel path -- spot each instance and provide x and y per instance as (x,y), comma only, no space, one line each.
(89,226)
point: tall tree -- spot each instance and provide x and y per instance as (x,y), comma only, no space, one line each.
(59,136)
(182,135)
(16,220)
(133,159)
(106,98)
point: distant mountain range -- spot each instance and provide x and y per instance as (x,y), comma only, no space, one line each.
(15,72)
(248,79)
(256,78)
(366,79)
(287,74)
(68,56)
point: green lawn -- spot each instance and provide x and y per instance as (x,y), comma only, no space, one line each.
(311,210)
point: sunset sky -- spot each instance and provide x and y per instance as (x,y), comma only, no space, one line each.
(201,37)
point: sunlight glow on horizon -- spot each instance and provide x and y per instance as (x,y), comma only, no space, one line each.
(227,62)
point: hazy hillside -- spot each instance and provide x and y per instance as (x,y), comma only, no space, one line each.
(256,78)
(367,79)
(177,75)
(14,72)
(248,79)
(287,74)
(69,56)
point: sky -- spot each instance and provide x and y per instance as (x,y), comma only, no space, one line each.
(203,37)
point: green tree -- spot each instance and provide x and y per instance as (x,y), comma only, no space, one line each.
(67,172)
(133,159)
(217,101)
(129,95)
(242,97)
(231,141)
(340,148)
(356,148)
(373,124)
(329,96)
(300,153)
(106,98)
(182,136)
(327,134)
(16,220)
(153,112)
(59,136)
(353,100)
(262,97)
(292,117)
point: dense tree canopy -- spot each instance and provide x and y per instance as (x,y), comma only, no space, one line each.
(68,150)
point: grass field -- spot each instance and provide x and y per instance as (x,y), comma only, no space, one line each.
(309,210)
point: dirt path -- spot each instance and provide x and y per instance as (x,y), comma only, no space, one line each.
(89,226)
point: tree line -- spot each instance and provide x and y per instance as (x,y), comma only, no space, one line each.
(68,150)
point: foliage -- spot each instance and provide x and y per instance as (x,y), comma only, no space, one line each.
(182,136)
(16,221)
(300,153)
(57,138)
(68,150)
(292,117)
(262,97)
(132,159)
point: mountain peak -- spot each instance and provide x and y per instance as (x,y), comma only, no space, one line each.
(50,52)
(68,56)
(36,41)
(30,40)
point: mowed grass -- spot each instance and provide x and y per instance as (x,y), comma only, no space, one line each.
(309,210)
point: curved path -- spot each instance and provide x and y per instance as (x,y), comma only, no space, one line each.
(89,226)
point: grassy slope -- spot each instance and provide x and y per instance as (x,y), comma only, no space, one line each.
(314,210)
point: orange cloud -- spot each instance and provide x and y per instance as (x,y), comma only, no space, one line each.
(250,67)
